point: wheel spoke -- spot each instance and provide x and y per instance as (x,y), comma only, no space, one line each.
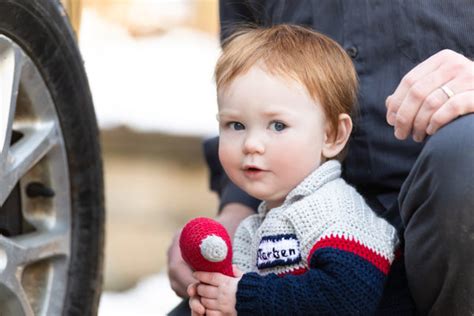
(35,144)
(11,64)
(23,306)
(19,252)
(26,249)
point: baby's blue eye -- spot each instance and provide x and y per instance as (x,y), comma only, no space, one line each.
(236,126)
(277,126)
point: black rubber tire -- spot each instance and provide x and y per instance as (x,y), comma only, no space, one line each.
(41,29)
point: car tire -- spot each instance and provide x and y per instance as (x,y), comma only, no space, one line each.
(40,31)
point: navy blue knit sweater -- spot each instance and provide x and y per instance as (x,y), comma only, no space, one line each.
(338,283)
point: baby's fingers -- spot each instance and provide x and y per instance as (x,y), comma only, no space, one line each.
(210,304)
(212,278)
(196,307)
(207,291)
(193,313)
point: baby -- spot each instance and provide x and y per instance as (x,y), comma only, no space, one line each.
(285,97)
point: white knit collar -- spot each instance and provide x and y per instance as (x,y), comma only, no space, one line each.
(325,173)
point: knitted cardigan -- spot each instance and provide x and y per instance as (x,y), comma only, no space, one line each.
(323,251)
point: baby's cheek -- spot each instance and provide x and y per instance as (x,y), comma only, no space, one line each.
(228,157)
(294,164)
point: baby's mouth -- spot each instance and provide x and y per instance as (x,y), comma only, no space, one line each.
(253,172)
(252,169)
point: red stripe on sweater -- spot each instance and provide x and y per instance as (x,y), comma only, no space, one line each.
(293,272)
(355,247)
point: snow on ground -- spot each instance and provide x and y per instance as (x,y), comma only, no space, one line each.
(156,83)
(151,297)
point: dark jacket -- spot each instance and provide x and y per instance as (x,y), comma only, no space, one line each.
(385,39)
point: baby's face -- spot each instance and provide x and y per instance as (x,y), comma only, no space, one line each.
(271,134)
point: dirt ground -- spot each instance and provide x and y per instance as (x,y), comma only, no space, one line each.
(154,183)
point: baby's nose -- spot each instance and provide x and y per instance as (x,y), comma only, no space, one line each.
(253,144)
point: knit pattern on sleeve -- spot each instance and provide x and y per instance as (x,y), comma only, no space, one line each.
(338,283)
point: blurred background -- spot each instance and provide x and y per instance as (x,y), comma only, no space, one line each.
(150,68)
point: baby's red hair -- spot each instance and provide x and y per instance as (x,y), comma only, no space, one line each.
(294,52)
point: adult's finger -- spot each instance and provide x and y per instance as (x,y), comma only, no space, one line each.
(459,104)
(395,100)
(180,276)
(430,105)
(438,98)
(192,289)
(208,291)
(179,273)
(415,96)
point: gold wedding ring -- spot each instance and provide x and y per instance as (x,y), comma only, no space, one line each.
(447,91)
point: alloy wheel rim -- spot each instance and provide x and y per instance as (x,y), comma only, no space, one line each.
(33,261)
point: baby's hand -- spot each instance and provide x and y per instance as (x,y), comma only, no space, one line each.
(195,300)
(218,292)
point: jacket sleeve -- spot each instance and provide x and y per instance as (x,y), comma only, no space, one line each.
(339,282)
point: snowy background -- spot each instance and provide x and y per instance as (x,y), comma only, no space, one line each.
(161,83)
(154,83)
(152,296)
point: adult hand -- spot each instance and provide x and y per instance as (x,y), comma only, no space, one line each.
(421,106)
(179,273)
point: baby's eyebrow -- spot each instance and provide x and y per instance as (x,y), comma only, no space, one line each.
(274,113)
(226,115)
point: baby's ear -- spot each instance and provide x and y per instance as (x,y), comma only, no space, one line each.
(335,141)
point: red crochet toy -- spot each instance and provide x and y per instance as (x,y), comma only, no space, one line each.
(205,246)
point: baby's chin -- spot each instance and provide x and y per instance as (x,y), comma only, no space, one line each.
(274,203)
(272,200)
